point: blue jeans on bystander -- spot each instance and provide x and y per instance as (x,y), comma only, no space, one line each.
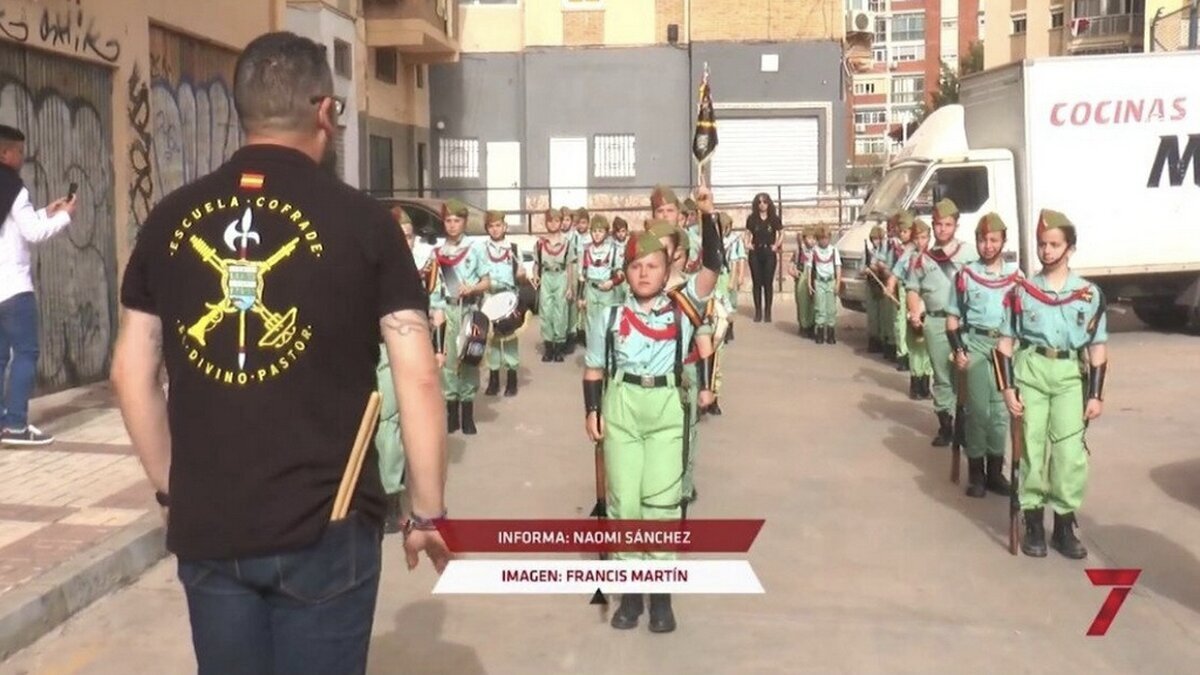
(307,611)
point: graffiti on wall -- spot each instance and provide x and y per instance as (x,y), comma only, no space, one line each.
(63,27)
(183,120)
(68,140)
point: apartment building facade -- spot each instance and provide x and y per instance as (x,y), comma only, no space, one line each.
(590,102)
(908,41)
(1025,29)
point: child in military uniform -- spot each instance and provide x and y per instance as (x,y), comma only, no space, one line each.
(973,326)
(734,273)
(550,269)
(920,369)
(1051,363)
(620,235)
(896,313)
(825,278)
(504,269)
(631,394)
(461,279)
(874,256)
(601,271)
(576,321)
(930,281)
(798,269)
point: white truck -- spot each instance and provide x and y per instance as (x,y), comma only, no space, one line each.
(1112,141)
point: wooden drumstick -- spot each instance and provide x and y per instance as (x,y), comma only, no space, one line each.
(354,464)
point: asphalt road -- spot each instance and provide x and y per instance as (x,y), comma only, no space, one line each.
(872,560)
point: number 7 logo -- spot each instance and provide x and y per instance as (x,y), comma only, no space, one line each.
(1123,580)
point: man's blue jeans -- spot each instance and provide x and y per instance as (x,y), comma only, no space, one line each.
(18,334)
(309,611)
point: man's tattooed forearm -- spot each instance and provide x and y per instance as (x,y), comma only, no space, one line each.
(405,323)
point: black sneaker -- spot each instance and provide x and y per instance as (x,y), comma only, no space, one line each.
(29,436)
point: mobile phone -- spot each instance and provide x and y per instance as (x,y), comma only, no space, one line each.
(72,190)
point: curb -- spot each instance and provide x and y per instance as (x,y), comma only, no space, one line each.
(42,604)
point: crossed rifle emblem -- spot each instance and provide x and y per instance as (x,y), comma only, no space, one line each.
(242,287)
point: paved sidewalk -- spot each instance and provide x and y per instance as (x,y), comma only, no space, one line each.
(62,506)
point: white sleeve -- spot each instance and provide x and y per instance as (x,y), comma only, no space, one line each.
(36,226)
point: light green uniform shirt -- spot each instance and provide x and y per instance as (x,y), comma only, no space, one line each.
(825,261)
(600,261)
(931,281)
(464,263)
(976,304)
(498,259)
(635,352)
(1067,327)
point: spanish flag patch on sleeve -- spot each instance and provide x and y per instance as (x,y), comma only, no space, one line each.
(252,181)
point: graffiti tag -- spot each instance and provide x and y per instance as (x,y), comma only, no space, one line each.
(69,28)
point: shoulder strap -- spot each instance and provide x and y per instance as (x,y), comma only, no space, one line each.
(541,245)
(684,303)
(610,356)
(679,348)
(1101,308)
(516,260)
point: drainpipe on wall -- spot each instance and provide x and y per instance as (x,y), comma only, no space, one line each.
(1193,30)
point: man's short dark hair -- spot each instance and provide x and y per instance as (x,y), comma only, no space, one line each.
(275,80)
(10,134)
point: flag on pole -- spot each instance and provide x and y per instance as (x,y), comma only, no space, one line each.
(704,141)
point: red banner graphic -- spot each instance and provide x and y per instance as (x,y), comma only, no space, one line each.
(599,536)
(1123,579)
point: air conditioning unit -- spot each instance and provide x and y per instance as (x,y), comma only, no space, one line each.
(860,128)
(860,22)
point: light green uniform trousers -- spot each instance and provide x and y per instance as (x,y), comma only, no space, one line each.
(552,306)
(1054,467)
(944,387)
(598,303)
(918,351)
(987,416)
(825,302)
(875,315)
(503,353)
(805,315)
(643,455)
(387,434)
(899,322)
(574,316)
(693,402)
(458,383)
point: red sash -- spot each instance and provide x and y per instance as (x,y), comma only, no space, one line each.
(452,260)
(630,320)
(503,257)
(1014,296)
(1002,282)
(549,250)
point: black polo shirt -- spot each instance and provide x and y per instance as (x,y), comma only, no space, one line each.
(270,277)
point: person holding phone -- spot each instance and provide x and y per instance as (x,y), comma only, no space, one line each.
(23,225)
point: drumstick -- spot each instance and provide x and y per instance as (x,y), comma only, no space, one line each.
(354,464)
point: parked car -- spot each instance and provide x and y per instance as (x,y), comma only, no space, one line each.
(430,232)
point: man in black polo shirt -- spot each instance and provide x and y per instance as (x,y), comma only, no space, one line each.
(267,288)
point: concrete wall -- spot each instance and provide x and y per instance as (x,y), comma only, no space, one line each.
(324,24)
(543,93)
(808,84)
(399,111)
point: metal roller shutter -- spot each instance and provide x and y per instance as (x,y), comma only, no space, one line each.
(766,155)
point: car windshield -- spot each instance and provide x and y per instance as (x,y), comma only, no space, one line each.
(893,189)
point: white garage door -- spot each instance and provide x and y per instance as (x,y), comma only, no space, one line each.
(766,155)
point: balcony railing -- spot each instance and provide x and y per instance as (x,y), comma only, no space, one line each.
(1112,25)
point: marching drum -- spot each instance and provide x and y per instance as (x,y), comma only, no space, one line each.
(506,313)
(472,338)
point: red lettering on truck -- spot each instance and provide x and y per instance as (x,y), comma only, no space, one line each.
(1117,111)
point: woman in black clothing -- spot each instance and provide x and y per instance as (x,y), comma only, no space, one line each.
(766,238)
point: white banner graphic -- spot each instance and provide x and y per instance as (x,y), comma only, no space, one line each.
(609,576)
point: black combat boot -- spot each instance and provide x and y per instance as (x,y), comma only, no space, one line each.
(547,352)
(1033,544)
(914,388)
(902,363)
(631,607)
(468,418)
(1063,540)
(560,348)
(729,334)
(926,387)
(493,387)
(715,408)
(976,480)
(451,416)
(831,335)
(581,338)
(510,387)
(945,432)
(391,520)
(996,482)
(889,352)
(873,346)
(662,619)
(820,335)
(569,345)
